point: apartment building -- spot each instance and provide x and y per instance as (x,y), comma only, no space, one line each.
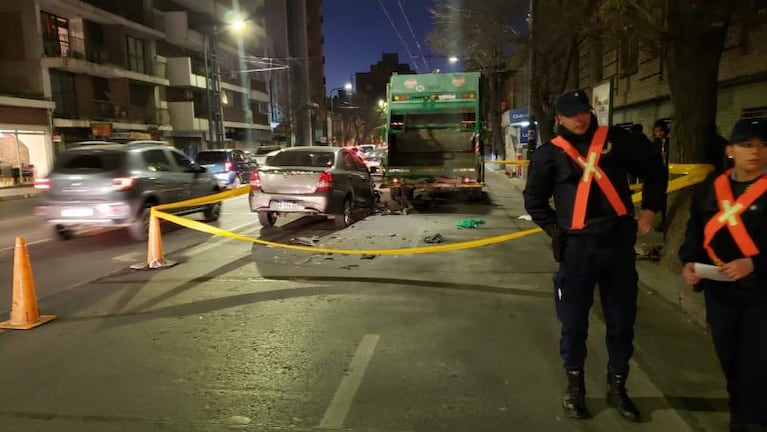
(73,70)
(295,30)
(635,81)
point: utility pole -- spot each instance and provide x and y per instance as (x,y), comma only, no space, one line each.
(213,84)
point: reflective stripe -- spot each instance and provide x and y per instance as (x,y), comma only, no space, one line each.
(591,171)
(729,213)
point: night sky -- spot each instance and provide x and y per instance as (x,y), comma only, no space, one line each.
(358,31)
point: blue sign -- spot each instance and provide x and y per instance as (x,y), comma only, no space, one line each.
(518,115)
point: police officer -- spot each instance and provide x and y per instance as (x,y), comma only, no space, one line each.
(593,231)
(728,228)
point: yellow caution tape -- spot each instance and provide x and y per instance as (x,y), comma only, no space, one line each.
(692,174)
(208,199)
(201,226)
(522,162)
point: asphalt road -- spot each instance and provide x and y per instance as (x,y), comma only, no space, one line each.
(246,336)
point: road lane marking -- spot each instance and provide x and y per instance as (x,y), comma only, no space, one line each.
(216,242)
(10,248)
(342,400)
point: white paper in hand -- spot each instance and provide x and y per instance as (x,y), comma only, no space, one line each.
(708,271)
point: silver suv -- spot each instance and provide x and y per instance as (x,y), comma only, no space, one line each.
(100,183)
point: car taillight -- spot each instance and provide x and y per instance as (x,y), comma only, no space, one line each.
(324,182)
(468,180)
(43,184)
(123,183)
(255,181)
(228,166)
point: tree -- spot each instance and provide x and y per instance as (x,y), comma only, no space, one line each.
(689,36)
(479,32)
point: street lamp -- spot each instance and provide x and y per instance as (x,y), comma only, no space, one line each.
(348,87)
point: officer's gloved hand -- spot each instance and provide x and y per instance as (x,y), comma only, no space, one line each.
(558,239)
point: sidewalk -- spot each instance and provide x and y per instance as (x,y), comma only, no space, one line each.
(652,274)
(17,192)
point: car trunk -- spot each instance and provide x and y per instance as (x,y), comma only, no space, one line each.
(289,180)
(81,176)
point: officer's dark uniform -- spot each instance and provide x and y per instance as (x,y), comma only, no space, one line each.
(601,251)
(736,311)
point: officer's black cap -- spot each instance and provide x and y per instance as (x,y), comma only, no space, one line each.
(573,102)
(749,128)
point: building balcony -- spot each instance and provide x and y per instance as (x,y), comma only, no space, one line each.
(79,56)
(76,9)
(188,116)
(181,74)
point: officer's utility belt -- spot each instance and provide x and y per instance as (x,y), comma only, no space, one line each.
(606,232)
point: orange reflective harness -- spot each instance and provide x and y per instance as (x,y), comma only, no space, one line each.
(591,171)
(729,213)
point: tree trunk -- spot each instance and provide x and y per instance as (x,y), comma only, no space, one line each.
(693,76)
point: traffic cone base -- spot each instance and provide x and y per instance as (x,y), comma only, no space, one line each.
(24,311)
(155,258)
(42,319)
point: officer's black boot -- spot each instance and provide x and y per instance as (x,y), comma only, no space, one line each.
(749,427)
(618,399)
(575,399)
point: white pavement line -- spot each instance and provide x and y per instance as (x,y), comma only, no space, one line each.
(342,400)
(218,242)
(28,244)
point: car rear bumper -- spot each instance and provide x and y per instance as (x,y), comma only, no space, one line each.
(77,213)
(307,204)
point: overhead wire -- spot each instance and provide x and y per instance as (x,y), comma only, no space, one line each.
(396,30)
(412,33)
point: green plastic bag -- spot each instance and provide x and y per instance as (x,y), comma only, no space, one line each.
(469,223)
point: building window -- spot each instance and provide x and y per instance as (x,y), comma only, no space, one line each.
(136,59)
(628,59)
(63,92)
(56,41)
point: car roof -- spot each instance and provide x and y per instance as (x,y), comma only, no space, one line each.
(312,148)
(112,145)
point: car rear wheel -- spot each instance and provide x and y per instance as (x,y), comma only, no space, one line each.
(267,218)
(139,230)
(344,219)
(212,212)
(63,232)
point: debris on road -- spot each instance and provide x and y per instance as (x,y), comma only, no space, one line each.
(306,241)
(526,217)
(368,257)
(469,223)
(435,238)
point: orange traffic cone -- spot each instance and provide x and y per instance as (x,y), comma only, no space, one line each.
(24,312)
(155,259)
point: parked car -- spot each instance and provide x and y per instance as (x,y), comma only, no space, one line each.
(328,181)
(373,160)
(263,151)
(115,185)
(231,167)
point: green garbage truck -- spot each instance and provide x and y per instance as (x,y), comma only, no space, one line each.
(433,134)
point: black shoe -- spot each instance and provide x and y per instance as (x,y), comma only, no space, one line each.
(749,427)
(574,401)
(618,399)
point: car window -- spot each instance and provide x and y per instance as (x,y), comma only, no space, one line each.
(210,157)
(156,160)
(351,163)
(237,156)
(303,158)
(96,160)
(183,162)
(267,149)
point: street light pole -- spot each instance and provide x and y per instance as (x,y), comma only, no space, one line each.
(331,116)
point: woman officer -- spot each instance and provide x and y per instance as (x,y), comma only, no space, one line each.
(728,228)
